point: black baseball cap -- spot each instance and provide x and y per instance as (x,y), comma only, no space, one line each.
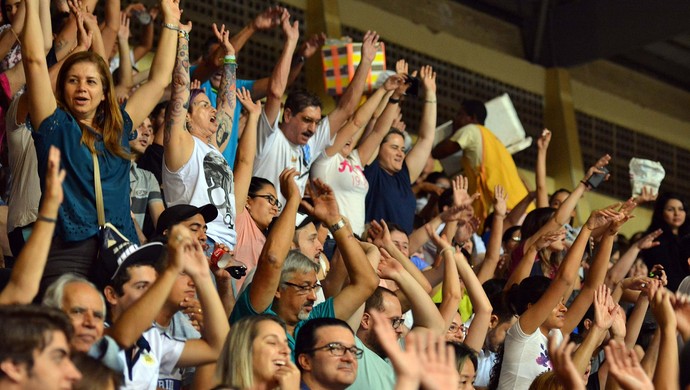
(181,212)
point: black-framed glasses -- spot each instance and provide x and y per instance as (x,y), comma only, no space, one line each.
(272,200)
(337,349)
(396,322)
(305,290)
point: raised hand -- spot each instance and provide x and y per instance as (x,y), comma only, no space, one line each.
(648,241)
(438,364)
(625,368)
(401,67)
(223,36)
(604,314)
(379,234)
(180,242)
(172,13)
(499,201)
(466,230)
(544,139)
(441,242)
(54,178)
(428,77)
(291,31)
(549,238)
(393,82)
(195,84)
(245,97)
(460,185)
(370,43)
(662,307)
(406,363)
(602,217)
(312,45)
(288,185)
(84,37)
(123,31)
(389,267)
(647,195)
(268,19)
(460,214)
(325,206)
(681,306)
(562,361)
(596,168)
(660,274)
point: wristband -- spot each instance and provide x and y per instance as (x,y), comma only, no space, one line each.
(299,60)
(230,59)
(428,101)
(171,26)
(183,34)
(337,226)
(46,219)
(393,101)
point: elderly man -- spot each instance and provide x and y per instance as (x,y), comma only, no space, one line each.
(326,354)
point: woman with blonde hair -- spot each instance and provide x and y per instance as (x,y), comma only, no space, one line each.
(266,363)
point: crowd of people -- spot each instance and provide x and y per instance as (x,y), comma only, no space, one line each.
(181,228)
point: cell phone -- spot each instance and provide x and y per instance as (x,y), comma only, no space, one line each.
(413,90)
(597,178)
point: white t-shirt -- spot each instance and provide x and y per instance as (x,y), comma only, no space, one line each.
(525,357)
(346,176)
(25,191)
(485,363)
(274,152)
(162,357)
(205,178)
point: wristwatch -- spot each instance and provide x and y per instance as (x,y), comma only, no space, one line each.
(337,226)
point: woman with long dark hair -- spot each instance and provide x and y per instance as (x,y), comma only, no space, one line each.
(669,216)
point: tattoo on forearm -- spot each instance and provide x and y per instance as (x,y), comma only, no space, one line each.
(179,100)
(226,103)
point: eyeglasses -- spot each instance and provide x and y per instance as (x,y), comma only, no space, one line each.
(454,328)
(337,349)
(396,322)
(270,199)
(305,290)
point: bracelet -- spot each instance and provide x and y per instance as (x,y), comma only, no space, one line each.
(299,60)
(171,26)
(448,248)
(393,101)
(430,101)
(46,219)
(183,34)
(230,59)
(589,186)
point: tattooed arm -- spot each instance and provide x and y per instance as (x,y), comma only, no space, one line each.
(226,94)
(178,143)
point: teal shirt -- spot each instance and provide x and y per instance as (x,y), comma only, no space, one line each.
(373,372)
(243,308)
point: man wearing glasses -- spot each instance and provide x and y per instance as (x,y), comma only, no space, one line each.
(326,354)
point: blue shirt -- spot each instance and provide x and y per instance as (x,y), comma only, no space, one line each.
(77,217)
(243,308)
(390,197)
(230,151)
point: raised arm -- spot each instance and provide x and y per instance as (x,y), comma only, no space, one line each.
(363,279)
(622,266)
(267,276)
(540,171)
(246,149)
(562,215)
(126,81)
(111,25)
(142,102)
(146,38)
(177,140)
(417,157)
(362,116)
(216,328)
(41,104)
(605,313)
(594,279)
(536,314)
(28,269)
(426,315)
(667,369)
(350,99)
(369,143)
(127,329)
(279,77)
(493,250)
(451,292)
(226,100)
